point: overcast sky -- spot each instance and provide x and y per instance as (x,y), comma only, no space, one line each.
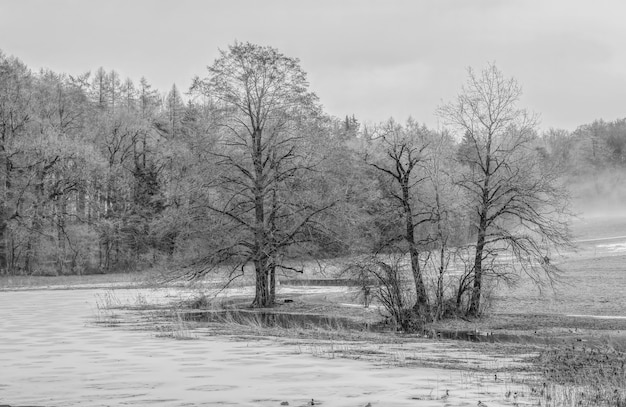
(373,59)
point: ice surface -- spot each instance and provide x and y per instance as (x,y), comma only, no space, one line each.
(52,354)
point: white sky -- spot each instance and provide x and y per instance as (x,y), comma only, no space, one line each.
(374,59)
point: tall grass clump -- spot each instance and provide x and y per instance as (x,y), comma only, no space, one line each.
(584,376)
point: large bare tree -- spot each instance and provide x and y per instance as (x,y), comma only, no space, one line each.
(514,197)
(266,112)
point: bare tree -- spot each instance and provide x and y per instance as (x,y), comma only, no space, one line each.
(442,197)
(404,151)
(265,109)
(384,280)
(514,197)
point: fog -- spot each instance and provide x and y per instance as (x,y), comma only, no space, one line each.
(601,195)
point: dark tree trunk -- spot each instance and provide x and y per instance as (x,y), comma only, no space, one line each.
(3,243)
(4,210)
(421,300)
(273,229)
(474,306)
(272,282)
(60,225)
(263,295)
(442,270)
(262,298)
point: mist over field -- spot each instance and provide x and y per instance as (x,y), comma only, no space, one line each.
(592,161)
(602,194)
(599,205)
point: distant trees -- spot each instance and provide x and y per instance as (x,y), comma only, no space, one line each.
(16,117)
(594,156)
(515,203)
(81,177)
(175,109)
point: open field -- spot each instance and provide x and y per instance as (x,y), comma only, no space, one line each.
(587,296)
(119,280)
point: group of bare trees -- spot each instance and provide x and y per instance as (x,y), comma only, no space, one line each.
(490,196)
(250,174)
(491,205)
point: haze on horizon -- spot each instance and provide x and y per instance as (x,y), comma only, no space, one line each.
(373,59)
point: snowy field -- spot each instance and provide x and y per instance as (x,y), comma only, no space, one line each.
(52,353)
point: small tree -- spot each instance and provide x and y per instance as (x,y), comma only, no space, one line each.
(514,198)
(385,279)
(442,197)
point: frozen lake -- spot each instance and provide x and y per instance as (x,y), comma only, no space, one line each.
(52,354)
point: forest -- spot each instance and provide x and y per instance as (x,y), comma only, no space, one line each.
(244,172)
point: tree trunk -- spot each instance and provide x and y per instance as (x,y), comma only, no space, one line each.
(272,283)
(272,230)
(3,243)
(60,226)
(442,269)
(262,297)
(474,306)
(421,299)
(442,257)
(5,185)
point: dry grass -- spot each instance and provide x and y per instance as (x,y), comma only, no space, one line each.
(106,304)
(179,329)
(583,376)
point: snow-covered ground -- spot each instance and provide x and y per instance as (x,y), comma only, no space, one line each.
(53,354)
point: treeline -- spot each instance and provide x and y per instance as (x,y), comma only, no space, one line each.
(100,174)
(88,169)
(594,159)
